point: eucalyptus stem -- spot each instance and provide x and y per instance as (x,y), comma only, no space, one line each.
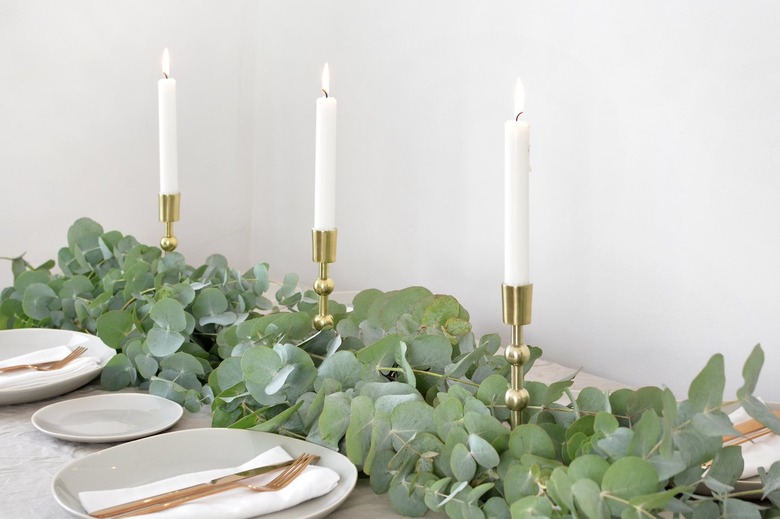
(133,299)
(432,374)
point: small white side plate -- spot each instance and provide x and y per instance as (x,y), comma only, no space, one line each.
(107,418)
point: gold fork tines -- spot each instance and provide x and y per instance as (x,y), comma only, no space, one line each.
(286,477)
(48,366)
(279,482)
(749,431)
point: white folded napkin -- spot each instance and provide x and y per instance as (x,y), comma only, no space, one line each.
(27,378)
(239,503)
(761,452)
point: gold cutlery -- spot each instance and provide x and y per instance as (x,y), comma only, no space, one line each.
(178,497)
(749,430)
(48,366)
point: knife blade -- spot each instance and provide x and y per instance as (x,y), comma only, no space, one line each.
(187,491)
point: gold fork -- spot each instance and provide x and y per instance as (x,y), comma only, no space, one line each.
(48,366)
(279,482)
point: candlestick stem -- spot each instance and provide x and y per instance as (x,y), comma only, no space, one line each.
(516,302)
(323,251)
(169,204)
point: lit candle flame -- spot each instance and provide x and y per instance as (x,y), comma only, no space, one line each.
(166,64)
(325,80)
(519,98)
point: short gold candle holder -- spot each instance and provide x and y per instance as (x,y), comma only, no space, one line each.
(323,251)
(169,204)
(517,313)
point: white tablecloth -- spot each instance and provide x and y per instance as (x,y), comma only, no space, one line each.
(29,459)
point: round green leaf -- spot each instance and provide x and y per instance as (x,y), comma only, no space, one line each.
(447,415)
(588,497)
(341,366)
(162,342)
(588,466)
(114,326)
(409,419)
(147,365)
(531,506)
(482,452)
(39,300)
(629,477)
(183,363)
(81,228)
(519,482)
(168,314)
(462,464)
(118,373)
(531,439)
(358,436)
(211,301)
(407,499)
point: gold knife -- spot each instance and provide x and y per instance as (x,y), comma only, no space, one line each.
(188,491)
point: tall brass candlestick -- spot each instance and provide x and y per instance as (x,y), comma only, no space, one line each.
(169,204)
(323,251)
(517,313)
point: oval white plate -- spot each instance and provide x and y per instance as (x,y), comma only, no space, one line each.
(107,418)
(170,454)
(18,342)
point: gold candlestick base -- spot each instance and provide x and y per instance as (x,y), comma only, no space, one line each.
(516,302)
(323,251)
(169,204)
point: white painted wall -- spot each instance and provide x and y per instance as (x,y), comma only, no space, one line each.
(655,138)
(78,121)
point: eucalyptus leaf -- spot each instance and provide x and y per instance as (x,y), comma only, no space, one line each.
(462,463)
(114,326)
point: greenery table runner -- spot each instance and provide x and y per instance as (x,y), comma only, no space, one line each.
(401,385)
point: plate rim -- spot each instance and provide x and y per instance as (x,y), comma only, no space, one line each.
(176,410)
(330,501)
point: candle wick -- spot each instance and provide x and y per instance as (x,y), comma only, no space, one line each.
(325,92)
(165,75)
(518,116)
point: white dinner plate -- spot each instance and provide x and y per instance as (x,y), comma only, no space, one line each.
(107,418)
(27,340)
(171,454)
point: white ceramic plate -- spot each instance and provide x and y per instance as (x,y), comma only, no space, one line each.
(170,454)
(107,418)
(18,342)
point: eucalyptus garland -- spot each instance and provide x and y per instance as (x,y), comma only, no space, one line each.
(401,385)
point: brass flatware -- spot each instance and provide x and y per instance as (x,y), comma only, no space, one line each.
(293,469)
(48,366)
(749,430)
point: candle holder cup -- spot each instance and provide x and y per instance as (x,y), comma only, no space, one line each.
(516,301)
(169,204)
(323,251)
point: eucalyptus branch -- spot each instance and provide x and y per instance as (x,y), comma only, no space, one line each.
(430,373)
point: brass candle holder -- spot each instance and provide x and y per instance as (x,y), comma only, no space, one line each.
(517,313)
(169,204)
(323,251)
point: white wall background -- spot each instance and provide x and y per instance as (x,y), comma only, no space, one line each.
(655,155)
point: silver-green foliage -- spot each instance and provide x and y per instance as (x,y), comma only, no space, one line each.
(401,386)
(161,314)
